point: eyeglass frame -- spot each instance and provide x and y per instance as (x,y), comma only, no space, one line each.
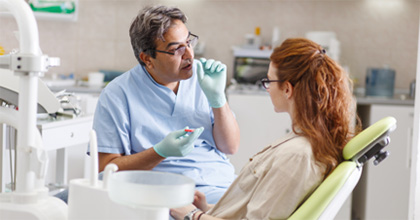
(265,82)
(188,44)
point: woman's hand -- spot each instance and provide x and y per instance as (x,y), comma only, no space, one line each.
(200,201)
(179,213)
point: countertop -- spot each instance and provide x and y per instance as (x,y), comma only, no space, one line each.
(77,89)
(396,100)
(70,85)
(399,99)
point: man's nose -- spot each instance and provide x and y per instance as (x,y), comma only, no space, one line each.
(189,53)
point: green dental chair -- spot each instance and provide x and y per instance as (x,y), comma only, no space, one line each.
(327,199)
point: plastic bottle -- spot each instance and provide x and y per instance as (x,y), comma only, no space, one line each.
(275,40)
(1,50)
(257,39)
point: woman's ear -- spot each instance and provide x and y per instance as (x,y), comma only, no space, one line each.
(147,59)
(288,89)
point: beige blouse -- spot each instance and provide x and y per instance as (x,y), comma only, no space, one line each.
(274,183)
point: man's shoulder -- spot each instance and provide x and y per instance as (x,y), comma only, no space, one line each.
(122,81)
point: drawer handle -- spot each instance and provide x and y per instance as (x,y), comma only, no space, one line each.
(71,134)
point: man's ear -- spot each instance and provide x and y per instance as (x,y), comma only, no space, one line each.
(288,89)
(147,59)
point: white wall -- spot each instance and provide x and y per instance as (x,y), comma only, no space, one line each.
(373,33)
(414,206)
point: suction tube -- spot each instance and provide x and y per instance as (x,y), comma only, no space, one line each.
(93,159)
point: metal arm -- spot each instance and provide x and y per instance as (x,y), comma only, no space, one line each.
(29,63)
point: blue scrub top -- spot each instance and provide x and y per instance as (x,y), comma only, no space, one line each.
(134,113)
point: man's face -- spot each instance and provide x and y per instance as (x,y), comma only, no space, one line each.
(167,68)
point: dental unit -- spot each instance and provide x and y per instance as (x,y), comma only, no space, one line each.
(120,195)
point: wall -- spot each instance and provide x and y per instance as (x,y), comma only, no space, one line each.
(373,33)
(414,207)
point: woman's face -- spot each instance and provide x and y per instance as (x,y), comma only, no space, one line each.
(277,92)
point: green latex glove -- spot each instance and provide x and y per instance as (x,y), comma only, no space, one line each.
(212,78)
(177,143)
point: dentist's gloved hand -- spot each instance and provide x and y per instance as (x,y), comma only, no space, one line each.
(177,143)
(212,78)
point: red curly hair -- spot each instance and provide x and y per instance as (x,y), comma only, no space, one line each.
(324,104)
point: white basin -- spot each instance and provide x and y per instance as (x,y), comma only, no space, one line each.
(150,189)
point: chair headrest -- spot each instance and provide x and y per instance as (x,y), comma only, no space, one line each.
(358,146)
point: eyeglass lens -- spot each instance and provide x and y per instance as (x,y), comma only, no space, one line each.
(191,43)
(265,83)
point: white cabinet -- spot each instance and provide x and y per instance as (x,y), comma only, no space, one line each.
(259,124)
(66,142)
(383,191)
(65,133)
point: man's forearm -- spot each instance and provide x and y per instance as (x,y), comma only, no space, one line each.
(225,130)
(145,160)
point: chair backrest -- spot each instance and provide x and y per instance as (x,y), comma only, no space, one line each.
(327,199)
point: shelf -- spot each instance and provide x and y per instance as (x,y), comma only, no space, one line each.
(251,53)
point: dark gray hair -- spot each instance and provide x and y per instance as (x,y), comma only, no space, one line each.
(150,24)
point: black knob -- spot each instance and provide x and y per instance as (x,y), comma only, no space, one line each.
(380,156)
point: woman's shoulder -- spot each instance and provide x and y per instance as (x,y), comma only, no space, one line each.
(293,141)
(295,153)
(293,148)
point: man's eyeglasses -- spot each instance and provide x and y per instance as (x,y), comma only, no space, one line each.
(266,82)
(180,51)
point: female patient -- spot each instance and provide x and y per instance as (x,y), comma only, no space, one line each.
(315,91)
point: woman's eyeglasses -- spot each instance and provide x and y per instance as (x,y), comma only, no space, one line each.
(266,82)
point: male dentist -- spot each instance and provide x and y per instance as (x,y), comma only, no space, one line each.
(142,115)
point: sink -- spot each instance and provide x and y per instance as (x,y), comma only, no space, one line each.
(150,189)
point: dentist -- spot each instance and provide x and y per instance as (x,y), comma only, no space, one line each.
(142,115)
